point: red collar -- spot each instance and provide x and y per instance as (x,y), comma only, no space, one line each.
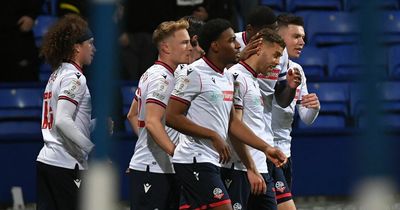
(76,66)
(251,70)
(165,66)
(213,66)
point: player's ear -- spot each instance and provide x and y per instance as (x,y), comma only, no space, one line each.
(214,46)
(164,47)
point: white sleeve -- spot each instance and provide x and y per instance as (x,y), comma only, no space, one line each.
(307,115)
(68,130)
(92,124)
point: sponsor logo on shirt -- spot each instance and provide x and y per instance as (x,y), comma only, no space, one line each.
(228,95)
(271,75)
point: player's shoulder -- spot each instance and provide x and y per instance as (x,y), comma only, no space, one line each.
(69,71)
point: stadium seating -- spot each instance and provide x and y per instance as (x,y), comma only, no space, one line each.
(20,110)
(344,61)
(297,5)
(42,24)
(314,62)
(334,100)
(128,93)
(274,4)
(383,4)
(391,27)
(394,61)
(331,28)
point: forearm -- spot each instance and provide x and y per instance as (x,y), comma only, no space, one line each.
(157,131)
(307,115)
(243,153)
(284,95)
(66,126)
(133,121)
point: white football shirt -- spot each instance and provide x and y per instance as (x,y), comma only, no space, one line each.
(66,83)
(209,93)
(154,86)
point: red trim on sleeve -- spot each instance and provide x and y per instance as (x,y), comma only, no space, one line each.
(141,123)
(151,100)
(238,106)
(68,99)
(286,195)
(180,100)
(135,98)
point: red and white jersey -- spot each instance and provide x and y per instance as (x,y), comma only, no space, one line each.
(209,93)
(155,86)
(267,82)
(66,83)
(282,118)
(247,97)
(173,134)
(242,39)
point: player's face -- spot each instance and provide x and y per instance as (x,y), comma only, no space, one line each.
(228,47)
(180,47)
(86,52)
(197,51)
(268,55)
(293,36)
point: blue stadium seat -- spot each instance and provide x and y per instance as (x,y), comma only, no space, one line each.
(334,99)
(331,28)
(394,61)
(351,5)
(296,5)
(274,4)
(314,62)
(20,110)
(391,96)
(391,27)
(344,61)
(42,24)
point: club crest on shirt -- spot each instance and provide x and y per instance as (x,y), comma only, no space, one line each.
(237,206)
(218,194)
(280,186)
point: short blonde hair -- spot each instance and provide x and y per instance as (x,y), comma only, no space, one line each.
(167,28)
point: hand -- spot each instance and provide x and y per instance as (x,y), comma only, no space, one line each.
(310,101)
(124,39)
(257,182)
(276,156)
(252,47)
(222,148)
(25,23)
(110,126)
(293,78)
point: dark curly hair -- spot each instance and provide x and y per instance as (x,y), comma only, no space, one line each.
(58,43)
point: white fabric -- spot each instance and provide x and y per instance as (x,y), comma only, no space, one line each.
(248,97)
(282,118)
(210,95)
(155,86)
(66,88)
(267,84)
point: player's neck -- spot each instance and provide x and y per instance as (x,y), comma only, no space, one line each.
(252,62)
(216,61)
(168,62)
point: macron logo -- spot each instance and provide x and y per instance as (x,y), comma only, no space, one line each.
(146,187)
(77,182)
